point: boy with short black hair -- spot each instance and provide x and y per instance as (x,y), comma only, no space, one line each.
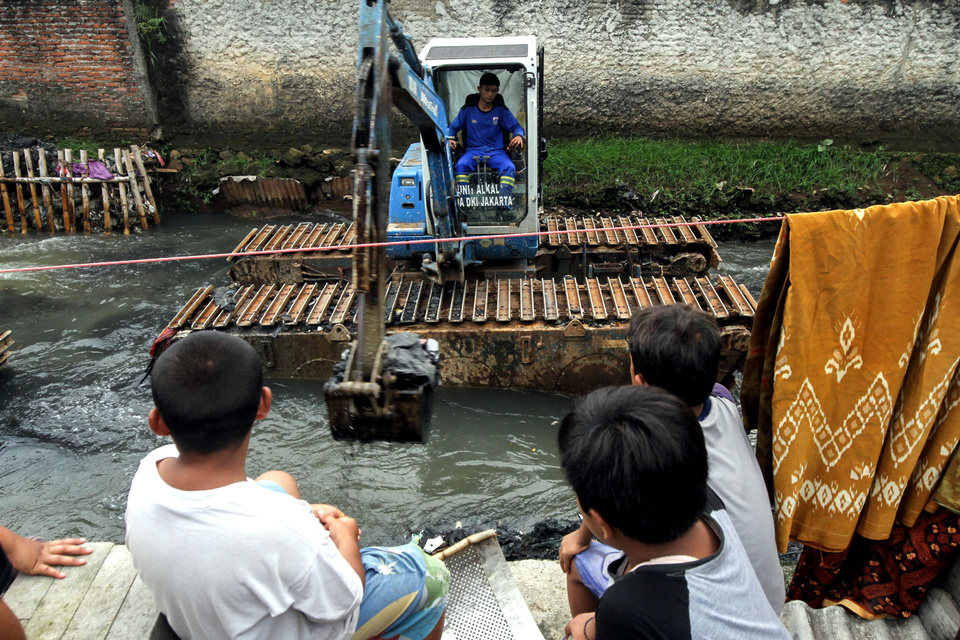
(677,348)
(683,572)
(228,557)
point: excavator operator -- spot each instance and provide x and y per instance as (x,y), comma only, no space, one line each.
(483,118)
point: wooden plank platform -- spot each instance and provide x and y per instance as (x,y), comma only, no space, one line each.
(101,600)
(105,599)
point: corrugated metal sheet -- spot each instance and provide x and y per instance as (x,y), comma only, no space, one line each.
(277,193)
(337,187)
(5,343)
(937,619)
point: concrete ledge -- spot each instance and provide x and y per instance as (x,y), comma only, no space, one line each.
(544,587)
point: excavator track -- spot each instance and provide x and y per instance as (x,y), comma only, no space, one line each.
(547,334)
(5,343)
(582,246)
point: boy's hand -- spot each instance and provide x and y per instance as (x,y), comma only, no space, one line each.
(340,528)
(572,544)
(583,627)
(345,533)
(326,512)
(515,142)
(326,509)
(35,558)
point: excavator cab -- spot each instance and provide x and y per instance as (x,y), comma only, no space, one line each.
(495,189)
(486,203)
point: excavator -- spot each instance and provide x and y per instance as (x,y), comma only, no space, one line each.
(434,277)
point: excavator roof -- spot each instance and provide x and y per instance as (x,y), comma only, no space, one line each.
(489,50)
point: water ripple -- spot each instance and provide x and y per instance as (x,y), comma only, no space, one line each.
(73,416)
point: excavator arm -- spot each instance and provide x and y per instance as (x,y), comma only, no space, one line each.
(414,97)
(383,387)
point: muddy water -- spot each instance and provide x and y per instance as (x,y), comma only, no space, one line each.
(72,411)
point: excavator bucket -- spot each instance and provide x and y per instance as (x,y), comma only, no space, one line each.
(396,404)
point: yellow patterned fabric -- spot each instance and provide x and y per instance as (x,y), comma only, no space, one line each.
(852,377)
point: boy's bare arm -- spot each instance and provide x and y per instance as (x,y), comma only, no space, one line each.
(345,535)
(572,544)
(35,558)
(10,628)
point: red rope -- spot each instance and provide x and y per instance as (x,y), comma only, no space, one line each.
(382,244)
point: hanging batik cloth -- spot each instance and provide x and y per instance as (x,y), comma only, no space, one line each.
(851,379)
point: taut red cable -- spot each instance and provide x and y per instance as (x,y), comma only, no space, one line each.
(344,247)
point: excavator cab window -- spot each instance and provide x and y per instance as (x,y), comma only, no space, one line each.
(493,192)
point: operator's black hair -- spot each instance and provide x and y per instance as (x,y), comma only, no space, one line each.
(207,389)
(489,79)
(636,455)
(676,347)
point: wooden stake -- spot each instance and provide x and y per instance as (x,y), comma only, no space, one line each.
(85,191)
(136,191)
(45,188)
(105,193)
(68,203)
(123,191)
(20,202)
(6,199)
(61,163)
(28,161)
(146,182)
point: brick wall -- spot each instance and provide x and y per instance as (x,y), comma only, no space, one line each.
(70,65)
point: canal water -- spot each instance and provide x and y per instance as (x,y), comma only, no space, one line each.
(73,410)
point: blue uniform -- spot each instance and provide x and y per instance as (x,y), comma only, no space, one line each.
(484,137)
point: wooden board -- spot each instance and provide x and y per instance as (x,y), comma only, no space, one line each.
(103,599)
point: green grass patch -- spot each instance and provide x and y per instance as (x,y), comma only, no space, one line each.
(90,146)
(684,173)
(942,168)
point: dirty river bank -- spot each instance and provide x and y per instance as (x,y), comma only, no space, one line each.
(72,409)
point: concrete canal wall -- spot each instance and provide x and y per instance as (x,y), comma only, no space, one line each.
(870,71)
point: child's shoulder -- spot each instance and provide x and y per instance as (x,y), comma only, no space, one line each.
(720,391)
(719,407)
(248,504)
(148,464)
(663,587)
(166,451)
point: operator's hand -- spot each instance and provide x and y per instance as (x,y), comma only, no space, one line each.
(453,145)
(572,544)
(516,141)
(35,558)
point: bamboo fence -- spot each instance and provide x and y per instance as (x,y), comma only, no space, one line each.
(33,187)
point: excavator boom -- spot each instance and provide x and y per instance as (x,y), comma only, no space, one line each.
(372,395)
